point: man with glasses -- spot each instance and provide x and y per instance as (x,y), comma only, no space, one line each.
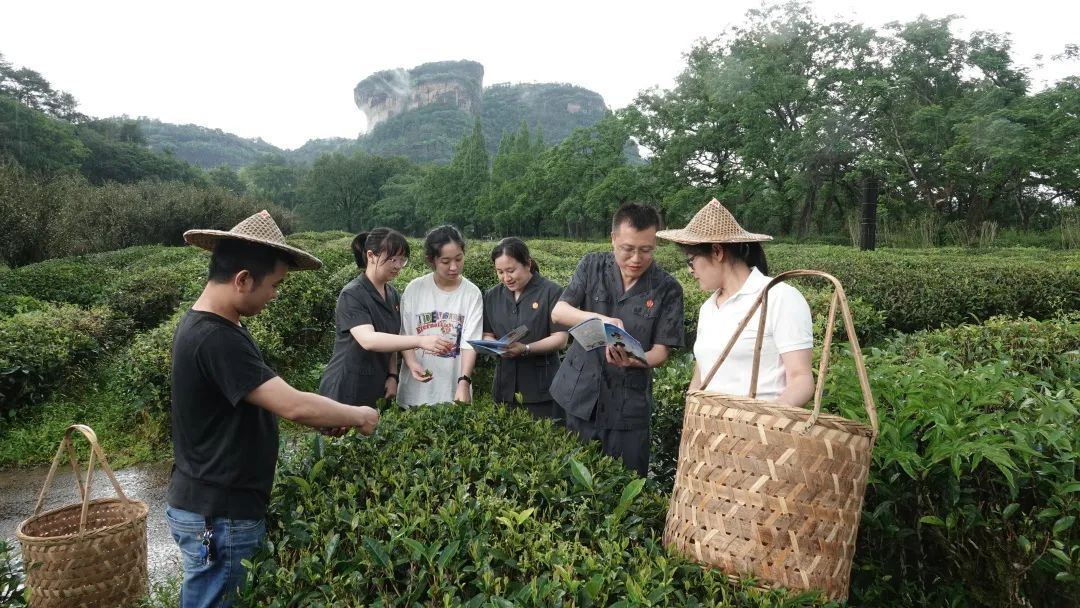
(607,395)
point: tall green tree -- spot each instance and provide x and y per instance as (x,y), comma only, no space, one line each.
(340,191)
(225,176)
(470,176)
(31,89)
(274,178)
(38,142)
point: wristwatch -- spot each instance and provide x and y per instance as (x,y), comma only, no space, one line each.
(527,349)
(465,378)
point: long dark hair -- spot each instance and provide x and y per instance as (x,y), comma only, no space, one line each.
(438,238)
(751,254)
(517,249)
(379,241)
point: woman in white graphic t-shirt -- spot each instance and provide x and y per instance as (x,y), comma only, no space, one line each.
(442,303)
(730,262)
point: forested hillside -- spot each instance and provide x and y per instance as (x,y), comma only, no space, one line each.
(202,146)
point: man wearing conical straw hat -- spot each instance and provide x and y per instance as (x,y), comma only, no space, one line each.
(730,262)
(225,405)
(606,394)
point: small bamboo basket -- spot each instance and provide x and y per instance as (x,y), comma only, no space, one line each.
(770,490)
(91,553)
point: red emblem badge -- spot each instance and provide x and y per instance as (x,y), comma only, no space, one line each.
(648,303)
(536,305)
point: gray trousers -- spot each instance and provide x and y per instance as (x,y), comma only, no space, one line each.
(632,446)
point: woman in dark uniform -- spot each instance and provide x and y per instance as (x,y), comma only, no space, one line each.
(523,297)
(367,321)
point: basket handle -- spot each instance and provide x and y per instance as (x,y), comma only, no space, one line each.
(838,298)
(84,487)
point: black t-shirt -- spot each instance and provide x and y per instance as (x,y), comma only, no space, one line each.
(356,376)
(224,448)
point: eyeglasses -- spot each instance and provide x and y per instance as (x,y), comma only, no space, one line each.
(629,251)
(398,260)
(690,261)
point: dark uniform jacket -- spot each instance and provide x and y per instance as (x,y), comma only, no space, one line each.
(356,376)
(652,311)
(531,374)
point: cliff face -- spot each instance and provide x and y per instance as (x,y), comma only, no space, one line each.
(424,112)
(389,93)
(552,109)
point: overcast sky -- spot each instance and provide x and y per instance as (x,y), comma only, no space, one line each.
(284,71)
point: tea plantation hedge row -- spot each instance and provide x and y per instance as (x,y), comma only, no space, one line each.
(138,288)
(972,500)
(469,505)
(974,492)
(143,305)
(39,348)
(975,468)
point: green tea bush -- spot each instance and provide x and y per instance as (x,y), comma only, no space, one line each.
(121,259)
(125,397)
(670,383)
(147,292)
(1029,346)
(302,316)
(12,592)
(935,288)
(39,350)
(13,305)
(141,373)
(70,281)
(474,505)
(913,289)
(316,240)
(974,491)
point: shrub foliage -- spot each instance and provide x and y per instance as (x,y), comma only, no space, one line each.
(473,505)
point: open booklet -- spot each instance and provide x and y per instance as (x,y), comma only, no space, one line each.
(496,348)
(594,333)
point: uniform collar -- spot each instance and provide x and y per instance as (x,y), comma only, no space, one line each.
(639,286)
(366,283)
(533,282)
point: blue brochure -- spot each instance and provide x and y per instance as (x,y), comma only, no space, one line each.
(496,348)
(594,333)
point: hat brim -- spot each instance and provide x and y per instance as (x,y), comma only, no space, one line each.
(686,237)
(206,239)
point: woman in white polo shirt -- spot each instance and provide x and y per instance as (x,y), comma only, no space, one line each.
(730,262)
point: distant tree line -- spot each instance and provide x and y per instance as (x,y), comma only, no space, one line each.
(783,119)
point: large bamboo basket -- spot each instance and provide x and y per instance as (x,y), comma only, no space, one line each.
(770,490)
(91,553)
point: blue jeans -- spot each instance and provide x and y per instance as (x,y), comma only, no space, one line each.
(213,583)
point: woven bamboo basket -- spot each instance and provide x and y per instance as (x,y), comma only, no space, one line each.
(92,553)
(769,490)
